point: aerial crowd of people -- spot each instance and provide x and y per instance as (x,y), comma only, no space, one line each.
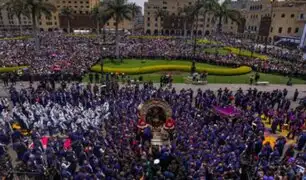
(76,54)
(90,131)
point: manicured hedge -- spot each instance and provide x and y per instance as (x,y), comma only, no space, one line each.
(184,68)
(15,38)
(206,41)
(246,53)
(11,69)
(150,37)
(82,35)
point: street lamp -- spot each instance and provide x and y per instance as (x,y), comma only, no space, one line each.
(102,60)
(271,12)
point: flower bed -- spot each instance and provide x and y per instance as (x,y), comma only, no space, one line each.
(206,41)
(82,35)
(246,53)
(11,69)
(183,68)
(150,37)
(15,38)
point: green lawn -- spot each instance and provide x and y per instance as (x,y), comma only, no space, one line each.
(14,38)
(179,76)
(130,63)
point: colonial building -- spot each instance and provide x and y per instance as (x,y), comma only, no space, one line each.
(82,20)
(172,24)
(288,19)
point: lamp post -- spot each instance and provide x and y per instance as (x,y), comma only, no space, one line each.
(193,68)
(102,60)
(271,12)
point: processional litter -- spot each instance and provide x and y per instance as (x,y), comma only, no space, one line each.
(155,116)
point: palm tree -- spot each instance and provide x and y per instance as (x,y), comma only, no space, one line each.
(95,15)
(119,10)
(101,16)
(68,13)
(207,6)
(159,14)
(222,12)
(186,15)
(16,8)
(36,8)
(135,10)
(195,11)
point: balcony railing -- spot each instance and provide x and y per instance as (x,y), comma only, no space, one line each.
(299,18)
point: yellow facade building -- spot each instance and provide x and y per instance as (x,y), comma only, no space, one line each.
(288,20)
(79,7)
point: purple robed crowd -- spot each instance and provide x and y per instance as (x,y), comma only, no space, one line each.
(101,123)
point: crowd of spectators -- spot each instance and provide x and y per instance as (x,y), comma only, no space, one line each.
(74,54)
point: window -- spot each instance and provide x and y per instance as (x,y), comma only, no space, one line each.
(86,12)
(107,24)
(302,16)
(255,28)
(280,29)
(148,24)
(283,15)
(114,24)
(76,6)
(296,30)
(55,23)
(273,15)
(271,29)
(148,18)
(292,16)
(156,19)
(64,2)
(164,7)
(289,30)
(190,3)
(81,12)
(81,2)
(207,25)
(49,23)
(69,2)
(155,24)
(148,13)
